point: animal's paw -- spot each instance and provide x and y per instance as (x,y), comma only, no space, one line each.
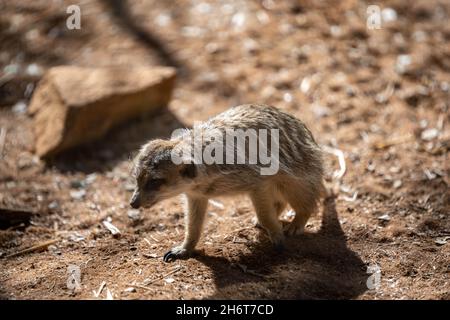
(293,229)
(176,253)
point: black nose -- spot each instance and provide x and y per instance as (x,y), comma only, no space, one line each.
(135,203)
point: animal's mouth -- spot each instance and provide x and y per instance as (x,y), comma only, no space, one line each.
(135,201)
(139,200)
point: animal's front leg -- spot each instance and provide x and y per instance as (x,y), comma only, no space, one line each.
(268,216)
(195,215)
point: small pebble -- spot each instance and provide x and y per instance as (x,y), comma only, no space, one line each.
(429,134)
(78,194)
(397,184)
(134,214)
(169,280)
(384,217)
(20,107)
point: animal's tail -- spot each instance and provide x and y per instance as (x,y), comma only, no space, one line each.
(324,191)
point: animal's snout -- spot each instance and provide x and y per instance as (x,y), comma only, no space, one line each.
(135,201)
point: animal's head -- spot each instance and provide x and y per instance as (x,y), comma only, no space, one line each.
(157,176)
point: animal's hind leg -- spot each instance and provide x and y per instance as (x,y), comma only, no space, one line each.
(278,203)
(303,201)
(265,211)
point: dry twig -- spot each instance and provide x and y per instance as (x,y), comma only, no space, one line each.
(340,155)
(100,289)
(37,247)
(2,140)
(155,280)
(112,228)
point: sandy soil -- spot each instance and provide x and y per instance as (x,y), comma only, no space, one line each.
(381,96)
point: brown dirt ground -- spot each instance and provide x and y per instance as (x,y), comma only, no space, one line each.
(234,52)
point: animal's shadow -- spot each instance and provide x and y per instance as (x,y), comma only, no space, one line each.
(319,266)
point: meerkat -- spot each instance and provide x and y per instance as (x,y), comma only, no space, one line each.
(297,179)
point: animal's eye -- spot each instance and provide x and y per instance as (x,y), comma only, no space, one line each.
(154,184)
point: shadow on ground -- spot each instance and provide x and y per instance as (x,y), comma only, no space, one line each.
(119,144)
(321,266)
(121,12)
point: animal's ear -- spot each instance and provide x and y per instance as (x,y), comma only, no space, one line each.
(188,171)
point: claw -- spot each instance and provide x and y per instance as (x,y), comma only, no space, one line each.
(169,256)
(176,253)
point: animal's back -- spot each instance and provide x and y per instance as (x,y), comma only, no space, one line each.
(298,151)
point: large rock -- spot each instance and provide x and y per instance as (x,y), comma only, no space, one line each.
(74,105)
